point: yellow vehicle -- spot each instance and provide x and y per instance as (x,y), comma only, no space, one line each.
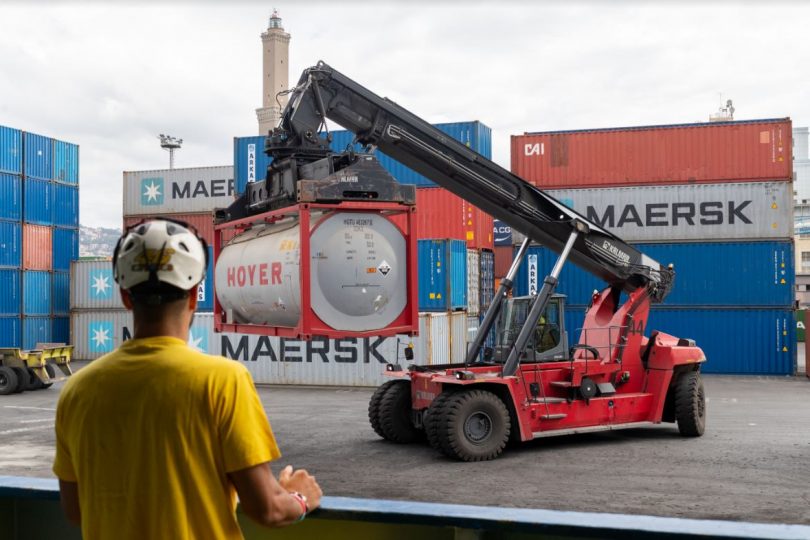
(33,370)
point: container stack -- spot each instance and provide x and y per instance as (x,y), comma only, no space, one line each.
(39,236)
(715,200)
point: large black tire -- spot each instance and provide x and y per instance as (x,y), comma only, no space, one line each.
(690,405)
(395,414)
(434,418)
(34,382)
(8,381)
(374,407)
(475,426)
(22,379)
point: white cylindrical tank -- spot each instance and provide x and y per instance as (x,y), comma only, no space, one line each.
(358,272)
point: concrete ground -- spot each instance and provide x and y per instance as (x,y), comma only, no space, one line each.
(750,465)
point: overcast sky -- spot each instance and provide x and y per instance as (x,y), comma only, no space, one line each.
(110,77)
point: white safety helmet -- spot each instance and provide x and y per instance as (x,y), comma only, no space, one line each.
(160,251)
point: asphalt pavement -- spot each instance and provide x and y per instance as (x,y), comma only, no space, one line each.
(750,465)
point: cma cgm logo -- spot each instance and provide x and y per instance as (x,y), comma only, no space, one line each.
(152,191)
(535,149)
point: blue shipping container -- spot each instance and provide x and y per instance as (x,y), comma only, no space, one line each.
(36,292)
(10,331)
(60,330)
(706,274)
(65,162)
(60,293)
(205,292)
(11,288)
(36,330)
(250,162)
(37,156)
(10,150)
(37,202)
(10,244)
(65,248)
(735,341)
(487,277)
(65,205)
(10,197)
(442,275)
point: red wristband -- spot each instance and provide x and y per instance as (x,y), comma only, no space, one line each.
(302,500)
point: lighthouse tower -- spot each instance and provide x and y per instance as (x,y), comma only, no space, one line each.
(276,74)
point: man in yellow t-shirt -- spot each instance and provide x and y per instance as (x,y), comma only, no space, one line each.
(156,440)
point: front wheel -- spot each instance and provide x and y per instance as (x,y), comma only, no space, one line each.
(395,414)
(8,381)
(474,426)
(690,405)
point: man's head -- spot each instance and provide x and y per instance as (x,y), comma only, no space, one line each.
(158,265)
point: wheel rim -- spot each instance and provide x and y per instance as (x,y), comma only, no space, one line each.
(478,427)
(3,379)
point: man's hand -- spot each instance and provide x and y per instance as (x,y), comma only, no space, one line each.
(302,482)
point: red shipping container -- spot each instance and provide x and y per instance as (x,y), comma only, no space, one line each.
(441,214)
(503,260)
(752,150)
(37,247)
(204,223)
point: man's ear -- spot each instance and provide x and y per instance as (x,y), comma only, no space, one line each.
(126,298)
(192,298)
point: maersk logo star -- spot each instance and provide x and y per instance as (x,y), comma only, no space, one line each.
(100,336)
(101,284)
(198,340)
(152,191)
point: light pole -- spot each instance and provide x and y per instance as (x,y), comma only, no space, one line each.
(167,142)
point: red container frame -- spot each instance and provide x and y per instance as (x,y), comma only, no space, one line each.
(309,324)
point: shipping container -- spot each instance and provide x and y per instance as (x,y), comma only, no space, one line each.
(473,281)
(36,330)
(487,275)
(753,150)
(800,317)
(10,244)
(60,330)
(706,274)
(503,256)
(204,223)
(735,340)
(95,333)
(434,335)
(11,285)
(472,327)
(60,293)
(440,214)
(65,206)
(92,286)
(65,248)
(36,293)
(442,275)
(65,162)
(178,191)
(458,335)
(250,161)
(10,331)
(693,212)
(37,201)
(10,150)
(10,196)
(37,244)
(37,156)
(205,291)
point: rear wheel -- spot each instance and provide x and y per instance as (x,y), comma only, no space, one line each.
(22,379)
(395,414)
(690,405)
(433,416)
(475,426)
(374,407)
(8,381)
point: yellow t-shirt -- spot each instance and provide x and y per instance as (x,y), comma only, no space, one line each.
(149,433)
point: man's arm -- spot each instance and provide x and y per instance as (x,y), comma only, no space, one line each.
(270,502)
(69,497)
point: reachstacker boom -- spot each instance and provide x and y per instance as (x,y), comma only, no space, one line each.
(530,383)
